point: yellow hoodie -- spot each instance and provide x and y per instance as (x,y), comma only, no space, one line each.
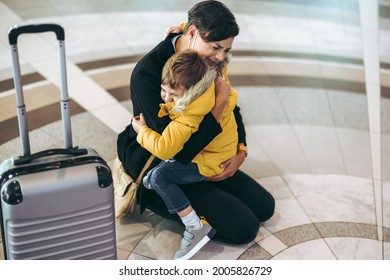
(182,126)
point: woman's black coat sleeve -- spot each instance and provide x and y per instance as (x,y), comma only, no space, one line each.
(240,126)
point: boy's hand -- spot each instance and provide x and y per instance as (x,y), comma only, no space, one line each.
(172,29)
(230,167)
(138,122)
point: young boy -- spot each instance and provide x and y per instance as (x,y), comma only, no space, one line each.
(187,89)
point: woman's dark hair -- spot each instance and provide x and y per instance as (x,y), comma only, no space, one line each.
(214,21)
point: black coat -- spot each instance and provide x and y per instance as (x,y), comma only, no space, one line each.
(145,84)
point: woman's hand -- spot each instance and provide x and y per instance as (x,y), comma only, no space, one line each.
(138,122)
(230,167)
(222,90)
(172,29)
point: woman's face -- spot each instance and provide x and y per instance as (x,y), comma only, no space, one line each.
(212,53)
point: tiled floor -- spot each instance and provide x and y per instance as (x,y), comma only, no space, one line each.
(313,79)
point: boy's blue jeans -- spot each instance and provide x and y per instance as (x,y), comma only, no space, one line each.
(165,179)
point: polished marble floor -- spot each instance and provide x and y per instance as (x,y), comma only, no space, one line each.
(313,79)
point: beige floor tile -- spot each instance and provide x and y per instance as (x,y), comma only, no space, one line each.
(312,250)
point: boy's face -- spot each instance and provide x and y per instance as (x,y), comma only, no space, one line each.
(169,94)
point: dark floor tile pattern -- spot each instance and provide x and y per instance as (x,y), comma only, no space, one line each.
(109,62)
(255,252)
(26,79)
(36,119)
(291,81)
(345,229)
(296,235)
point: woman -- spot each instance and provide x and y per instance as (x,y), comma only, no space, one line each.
(232,202)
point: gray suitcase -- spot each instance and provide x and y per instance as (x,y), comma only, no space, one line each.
(57,203)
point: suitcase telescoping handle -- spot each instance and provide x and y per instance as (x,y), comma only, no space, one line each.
(35,28)
(21,108)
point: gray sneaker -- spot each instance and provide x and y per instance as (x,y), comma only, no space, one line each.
(194,239)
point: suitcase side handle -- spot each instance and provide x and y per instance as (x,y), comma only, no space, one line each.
(21,108)
(72,151)
(14,32)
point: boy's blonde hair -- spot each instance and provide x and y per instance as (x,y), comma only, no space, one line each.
(187,70)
